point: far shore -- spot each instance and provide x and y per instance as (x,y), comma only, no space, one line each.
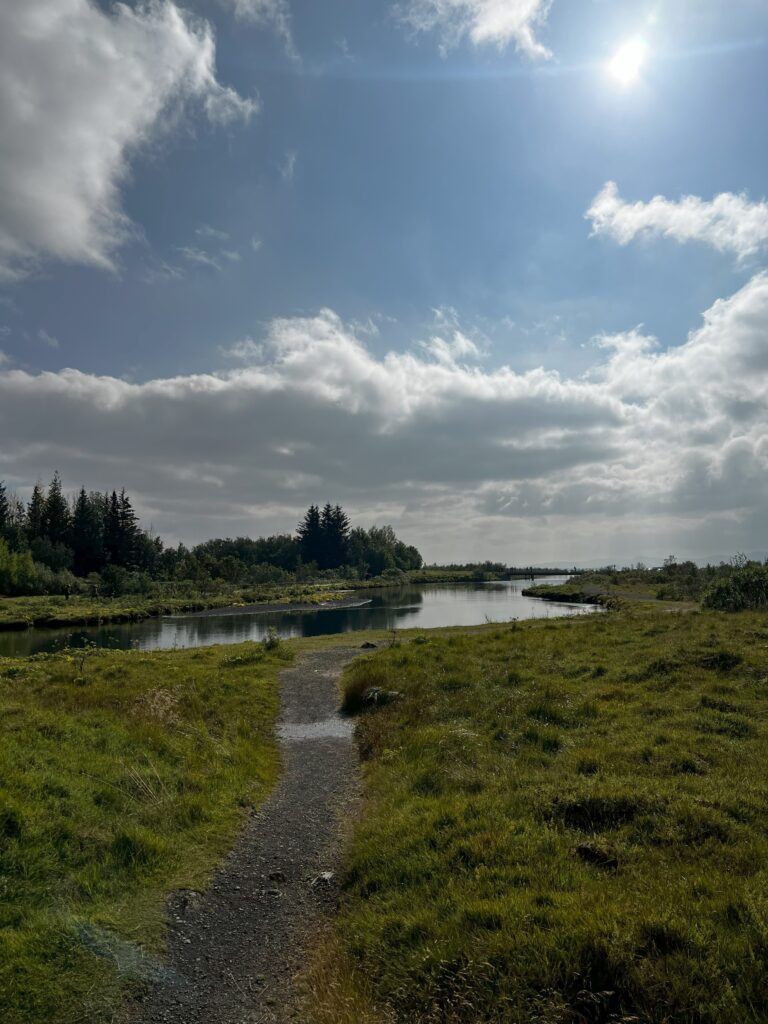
(264,609)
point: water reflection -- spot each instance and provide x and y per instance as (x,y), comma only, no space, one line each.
(390,608)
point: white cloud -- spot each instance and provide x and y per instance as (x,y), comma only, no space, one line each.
(206,231)
(275,14)
(484,21)
(81,90)
(198,257)
(48,339)
(729,222)
(4,358)
(288,166)
(246,350)
(651,446)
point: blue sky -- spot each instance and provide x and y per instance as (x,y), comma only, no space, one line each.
(434,173)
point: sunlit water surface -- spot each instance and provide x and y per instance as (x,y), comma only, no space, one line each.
(423,607)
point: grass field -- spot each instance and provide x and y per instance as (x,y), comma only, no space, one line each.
(123,775)
(565,822)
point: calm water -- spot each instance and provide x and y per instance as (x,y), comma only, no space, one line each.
(390,608)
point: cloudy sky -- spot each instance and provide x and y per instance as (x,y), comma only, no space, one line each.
(493,271)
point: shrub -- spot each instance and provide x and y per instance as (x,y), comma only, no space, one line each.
(271,641)
(744,589)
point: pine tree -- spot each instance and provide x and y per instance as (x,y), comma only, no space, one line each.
(340,522)
(56,520)
(310,536)
(36,513)
(111,528)
(327,542)
(87,530)
(129,530)
(5,512)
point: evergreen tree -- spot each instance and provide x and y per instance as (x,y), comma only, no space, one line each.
(311,536)
(36,513)
(112,537)
(129,530)
(5,512)
(87,530)
(15,532)
(337,538)
(327,540)
(56,520)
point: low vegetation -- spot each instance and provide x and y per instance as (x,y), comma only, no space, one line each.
(54,611)
(565,822)
(731,586)
(747,588)
(123,775)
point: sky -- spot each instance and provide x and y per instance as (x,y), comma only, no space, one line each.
(492,271)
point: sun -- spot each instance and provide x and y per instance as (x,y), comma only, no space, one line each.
(627,63)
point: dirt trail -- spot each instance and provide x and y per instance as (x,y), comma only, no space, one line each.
(234,950)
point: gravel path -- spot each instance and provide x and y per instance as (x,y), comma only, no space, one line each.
(234,950)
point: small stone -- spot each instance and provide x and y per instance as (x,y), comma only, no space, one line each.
(325,878)
(375,696)
(277,876)
(367,645)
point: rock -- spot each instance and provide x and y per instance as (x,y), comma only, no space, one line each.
(277,876)
(324,879)
(374,696)
(367,645)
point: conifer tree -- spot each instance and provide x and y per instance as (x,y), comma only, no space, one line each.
(36,513)
(5,511)
(310,536)
(129,530)
(56,520)
(112,528)
(87,530)
(335,529)
(327,539)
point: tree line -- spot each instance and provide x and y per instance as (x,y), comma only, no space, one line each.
(48,543)
(93,542)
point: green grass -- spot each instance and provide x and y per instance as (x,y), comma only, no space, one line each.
(123,775)
(564,822)
(52,611)
(597,588)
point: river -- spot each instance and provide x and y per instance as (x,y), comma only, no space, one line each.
(423,607)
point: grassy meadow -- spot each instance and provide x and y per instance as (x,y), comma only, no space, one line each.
(565,821)
(123,775)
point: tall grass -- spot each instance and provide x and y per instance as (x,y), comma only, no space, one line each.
(564,822)
(122,775)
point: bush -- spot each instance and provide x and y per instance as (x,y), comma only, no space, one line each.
(271,641)
(742,590)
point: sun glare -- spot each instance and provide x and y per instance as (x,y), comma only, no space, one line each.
(626,64)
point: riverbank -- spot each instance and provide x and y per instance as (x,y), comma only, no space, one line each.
(572,592)
(55,612)
(562,821)
(18,613)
